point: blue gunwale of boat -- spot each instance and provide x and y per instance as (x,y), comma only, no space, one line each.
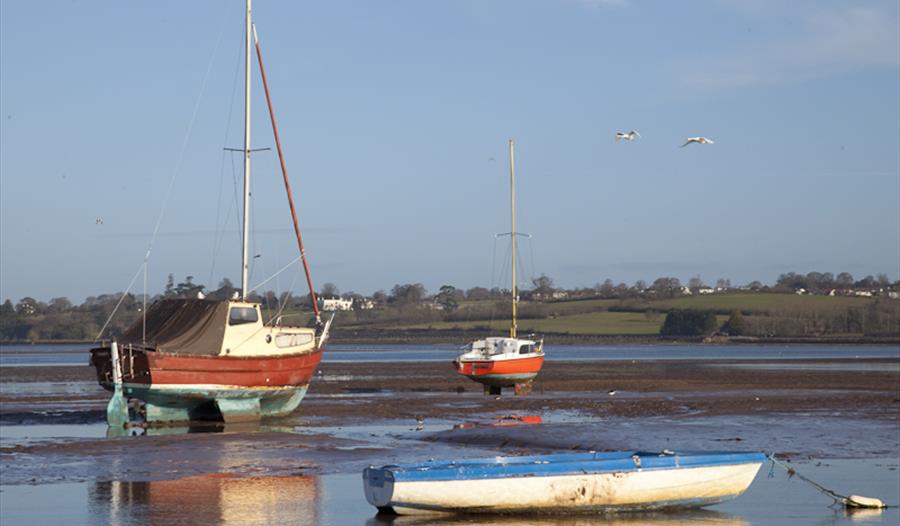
(563,464)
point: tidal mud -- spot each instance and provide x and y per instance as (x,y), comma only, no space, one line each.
(53,435)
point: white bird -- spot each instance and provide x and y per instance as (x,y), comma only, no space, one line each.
(698,140)
(200,295)
(611,392)
(629,136)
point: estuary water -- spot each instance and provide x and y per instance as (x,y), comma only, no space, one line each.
(77,354)
(773,499)
(70,469)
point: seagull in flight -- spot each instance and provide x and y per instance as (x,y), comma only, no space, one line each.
(698,140)
(98,221)
(627,136)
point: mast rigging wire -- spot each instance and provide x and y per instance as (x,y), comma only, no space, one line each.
(168,194)
(220,232)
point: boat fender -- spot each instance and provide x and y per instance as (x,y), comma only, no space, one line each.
(858,501)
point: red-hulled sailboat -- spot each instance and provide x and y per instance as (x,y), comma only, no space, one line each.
(190,359)
(499,362)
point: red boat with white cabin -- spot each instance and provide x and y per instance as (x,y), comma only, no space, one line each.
(191,359)
(498,362)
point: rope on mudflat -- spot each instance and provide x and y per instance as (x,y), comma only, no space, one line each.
(848,501)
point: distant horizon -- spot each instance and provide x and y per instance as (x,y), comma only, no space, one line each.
(394,118)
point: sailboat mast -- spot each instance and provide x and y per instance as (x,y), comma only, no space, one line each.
(512,208)
(245,244)
(287,183)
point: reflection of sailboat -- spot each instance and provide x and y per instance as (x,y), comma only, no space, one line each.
(195,358)
(217,498)
(499,362)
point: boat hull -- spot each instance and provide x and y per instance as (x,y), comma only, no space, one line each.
(177,387)
(545,488)
(501,373)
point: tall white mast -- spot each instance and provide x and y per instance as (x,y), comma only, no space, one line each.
(512,208)
(245,248)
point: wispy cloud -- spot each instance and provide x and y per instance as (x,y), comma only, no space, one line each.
(828,42)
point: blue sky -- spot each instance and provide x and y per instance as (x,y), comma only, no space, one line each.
(391,113)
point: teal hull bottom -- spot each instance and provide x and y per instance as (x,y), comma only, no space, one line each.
(184,404)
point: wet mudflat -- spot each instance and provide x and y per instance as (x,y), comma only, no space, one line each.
(837,420)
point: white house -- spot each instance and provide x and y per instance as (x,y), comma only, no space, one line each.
(334,304)
(706,290)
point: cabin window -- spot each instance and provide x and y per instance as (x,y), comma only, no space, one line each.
(241,315)
(293,339)
(526,349)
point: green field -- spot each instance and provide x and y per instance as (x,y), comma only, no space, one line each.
(591,323)
(595,323)
(754,302)
(635,317)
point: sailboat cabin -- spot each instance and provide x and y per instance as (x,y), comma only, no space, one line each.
(214,328)
(489,347)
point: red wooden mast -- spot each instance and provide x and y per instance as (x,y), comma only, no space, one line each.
(287,184)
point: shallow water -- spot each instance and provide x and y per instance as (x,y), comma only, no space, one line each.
(304,470)
(338,500)
(77,354)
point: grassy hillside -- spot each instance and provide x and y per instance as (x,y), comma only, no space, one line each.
(753,302)
(769,314)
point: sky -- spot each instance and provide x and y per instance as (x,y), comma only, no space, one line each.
(395,116)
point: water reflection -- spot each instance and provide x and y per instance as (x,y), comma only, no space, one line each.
(624,519)
(863,515)
(195,427)
(219,498)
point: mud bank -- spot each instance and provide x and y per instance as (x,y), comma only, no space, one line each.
(52,418)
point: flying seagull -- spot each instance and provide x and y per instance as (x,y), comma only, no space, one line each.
(698,140)
(629,136)
(98,221)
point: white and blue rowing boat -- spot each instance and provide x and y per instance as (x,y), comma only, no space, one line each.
(568,482)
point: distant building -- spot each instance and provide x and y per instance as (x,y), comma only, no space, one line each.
(706,290)
(686,291)
(335,304)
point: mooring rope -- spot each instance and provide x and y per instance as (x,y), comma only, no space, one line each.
(850,501)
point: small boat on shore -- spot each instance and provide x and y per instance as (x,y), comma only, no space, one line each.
(562,483)
(499,362)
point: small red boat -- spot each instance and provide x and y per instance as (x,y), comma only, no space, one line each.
(499,362)
(502,362)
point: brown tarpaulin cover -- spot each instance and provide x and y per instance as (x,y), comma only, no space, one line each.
(183,326)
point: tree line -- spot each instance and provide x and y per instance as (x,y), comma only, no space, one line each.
(60,319)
